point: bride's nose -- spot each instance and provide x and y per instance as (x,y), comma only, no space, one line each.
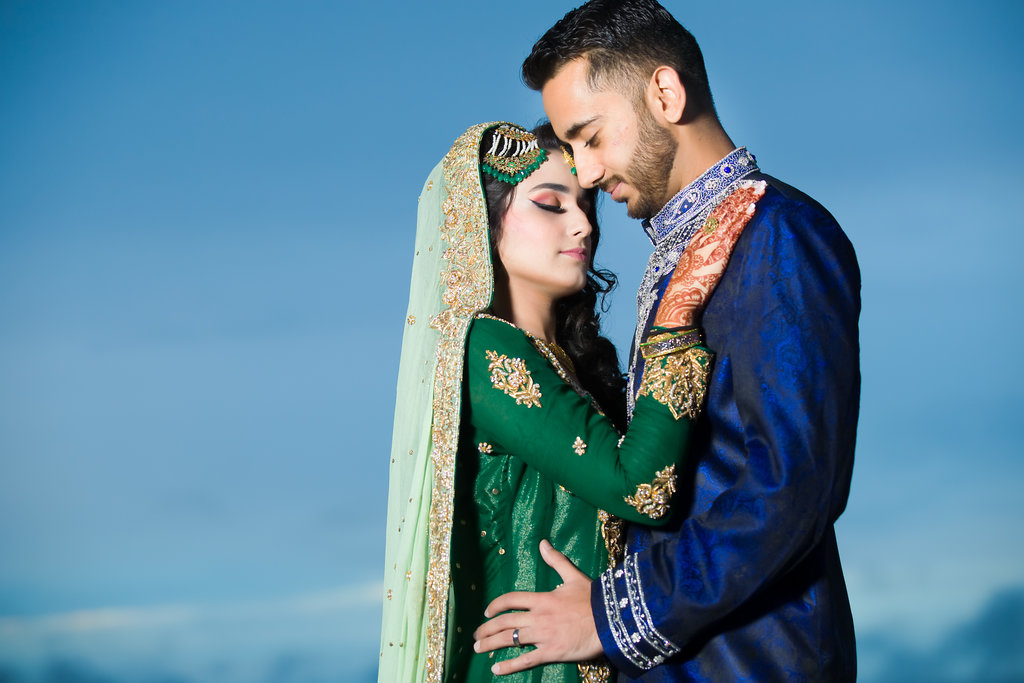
(580,223)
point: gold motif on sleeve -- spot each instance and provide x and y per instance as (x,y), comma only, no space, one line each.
(678,381)
(485,448)
(557,358)
(578,446)
(653,499)
(511,376)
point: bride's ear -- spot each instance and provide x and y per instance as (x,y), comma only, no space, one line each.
(666,96)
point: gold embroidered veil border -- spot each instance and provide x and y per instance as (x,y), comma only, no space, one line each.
(452,281)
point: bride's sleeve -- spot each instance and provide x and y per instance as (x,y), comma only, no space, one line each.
(520,405)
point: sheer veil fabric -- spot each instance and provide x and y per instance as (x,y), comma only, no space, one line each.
(452,281)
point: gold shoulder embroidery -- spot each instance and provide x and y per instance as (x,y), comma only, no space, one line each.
(678,381)
(511,376)
(653,499)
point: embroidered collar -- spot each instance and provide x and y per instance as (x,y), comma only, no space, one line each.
(689,202)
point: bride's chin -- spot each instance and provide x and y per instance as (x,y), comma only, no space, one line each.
(570,291)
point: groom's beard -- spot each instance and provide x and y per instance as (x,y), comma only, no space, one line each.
(650,167)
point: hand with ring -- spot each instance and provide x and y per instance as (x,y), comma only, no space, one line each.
(559,624)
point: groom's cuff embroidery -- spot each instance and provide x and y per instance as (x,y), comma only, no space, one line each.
(627,631)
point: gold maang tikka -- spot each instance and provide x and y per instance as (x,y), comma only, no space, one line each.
(513,154)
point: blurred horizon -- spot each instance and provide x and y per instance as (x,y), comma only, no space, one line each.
(207,215)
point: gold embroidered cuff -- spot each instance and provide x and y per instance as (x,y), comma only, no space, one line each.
(678,380)
(654,499)
(664,343)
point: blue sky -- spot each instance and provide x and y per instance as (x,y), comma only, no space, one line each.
(206,224)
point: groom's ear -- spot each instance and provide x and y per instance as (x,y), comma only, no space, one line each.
(666,96)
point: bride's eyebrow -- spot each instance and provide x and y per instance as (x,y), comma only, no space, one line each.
(551,186)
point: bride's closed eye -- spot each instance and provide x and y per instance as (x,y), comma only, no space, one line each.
(553,208)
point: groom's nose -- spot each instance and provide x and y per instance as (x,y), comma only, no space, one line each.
(588,170)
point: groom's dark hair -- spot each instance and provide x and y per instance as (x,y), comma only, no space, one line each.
(623,42)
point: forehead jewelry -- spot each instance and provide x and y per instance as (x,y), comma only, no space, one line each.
(513,154)
(567,155)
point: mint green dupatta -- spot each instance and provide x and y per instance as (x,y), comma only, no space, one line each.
(452,281)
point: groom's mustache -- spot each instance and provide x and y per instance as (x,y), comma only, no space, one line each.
(607,185)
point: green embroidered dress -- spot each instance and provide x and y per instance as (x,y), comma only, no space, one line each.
(537,460)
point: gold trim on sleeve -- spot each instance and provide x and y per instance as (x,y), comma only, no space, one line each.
(654,499)
(511,376)
(678,381)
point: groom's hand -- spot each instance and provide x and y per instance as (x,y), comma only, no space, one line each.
(559,624)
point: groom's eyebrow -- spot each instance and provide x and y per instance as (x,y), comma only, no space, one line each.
(574,130)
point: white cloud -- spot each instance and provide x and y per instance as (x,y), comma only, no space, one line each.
(336,600)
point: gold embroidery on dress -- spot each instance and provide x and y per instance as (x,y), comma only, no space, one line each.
(679,381)
(654,499)
(613,531)
(511,376)
(559,360)
(578,446)
(562,356)
(485,448)
(595,671)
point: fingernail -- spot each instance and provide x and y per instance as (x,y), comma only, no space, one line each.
(476,646)
(494,669)
(487,614)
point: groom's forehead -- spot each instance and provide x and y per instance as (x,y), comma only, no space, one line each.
(573,111)
(569,101)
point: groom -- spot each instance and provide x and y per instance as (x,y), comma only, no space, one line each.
(746,581)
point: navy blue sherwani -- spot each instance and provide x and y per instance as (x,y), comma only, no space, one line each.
(745,583)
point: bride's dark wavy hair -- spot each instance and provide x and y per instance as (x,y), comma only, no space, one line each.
(578,327)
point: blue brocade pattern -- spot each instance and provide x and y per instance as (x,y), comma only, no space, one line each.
(747,584)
